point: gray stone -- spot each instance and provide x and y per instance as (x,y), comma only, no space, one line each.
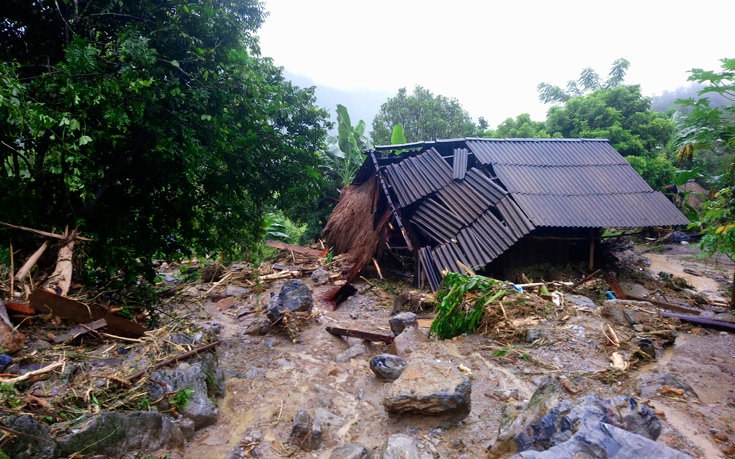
(399,446)
(294,296)
(117,434)
(401,321)
(256,326)
(650,385)
(351,451)
(582,302)
(236,291)
(320,276)
(534,334)
(430,387)
(327,419)
(354,351)
(617,311)
(387,366)
(505,394)
(187,427)
(201,378)
(29,447)
(270,341)
(306,431)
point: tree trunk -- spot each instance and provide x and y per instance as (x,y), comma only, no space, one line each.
(732,291)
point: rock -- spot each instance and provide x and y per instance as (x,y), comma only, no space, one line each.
(387,366)
(582,302)
(616,310)
(320,276)
(40,447)
(534,334)
(212,273)
(505,394)
(399,446)
(306,431)
(351,451)
(270,341)
(256,326)
(12,340)
(401,321)
(201,379)
(412,339)
(187,427)
(236,291)
(650,385)
(355,351)
(294,296)
(430,388)
(117,434)
(678,237)
(5,360)
(588,427)
(327,419)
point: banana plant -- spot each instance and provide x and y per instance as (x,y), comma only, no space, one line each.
(345,152)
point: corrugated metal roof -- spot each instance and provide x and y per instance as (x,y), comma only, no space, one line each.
(545,152)
(596,211)
(471,215)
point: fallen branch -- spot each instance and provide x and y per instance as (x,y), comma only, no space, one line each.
(173,360)
(288,274)
(61,279)
(25,376)
(293,248)
(31,262)
(43,233)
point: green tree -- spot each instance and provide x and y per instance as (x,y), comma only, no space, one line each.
(588,81)
(423,115)
(522,127)
(155,125)
(346,152)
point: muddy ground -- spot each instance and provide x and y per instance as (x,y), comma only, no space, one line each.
(270,377)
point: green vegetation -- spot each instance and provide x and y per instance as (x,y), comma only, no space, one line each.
(461,303)
(423,116)
(345,153)
(157,127)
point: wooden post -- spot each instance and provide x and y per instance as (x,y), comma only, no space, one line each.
(592,249)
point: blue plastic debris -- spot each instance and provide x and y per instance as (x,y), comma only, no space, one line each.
(611,296)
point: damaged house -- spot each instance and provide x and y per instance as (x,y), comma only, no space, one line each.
(492,204)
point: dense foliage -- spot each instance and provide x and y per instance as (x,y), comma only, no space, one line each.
(423,115)
(588,81)
(155,125)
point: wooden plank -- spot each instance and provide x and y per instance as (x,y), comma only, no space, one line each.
(387,339)
(20,307)
(50,303)
(294,248)
(81,330)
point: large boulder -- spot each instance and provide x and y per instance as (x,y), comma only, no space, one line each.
(399,446)
(116,434)
(203,380)
(294,296)
(431,388)
(36,444)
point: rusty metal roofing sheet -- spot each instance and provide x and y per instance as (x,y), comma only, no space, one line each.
(484,185)
(545,152)
(460,163)
(600,211)
(571,180)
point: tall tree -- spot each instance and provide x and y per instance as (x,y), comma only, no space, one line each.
(521,127)
(588,81)
(154,124)
(423,115)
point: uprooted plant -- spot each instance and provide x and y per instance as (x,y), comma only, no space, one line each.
(462,302)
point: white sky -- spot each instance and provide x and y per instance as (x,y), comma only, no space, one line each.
(491,55)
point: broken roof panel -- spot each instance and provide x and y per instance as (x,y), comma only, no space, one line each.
(460,163)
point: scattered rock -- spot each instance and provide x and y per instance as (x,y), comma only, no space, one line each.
(534,334)
(39,446)
(201,379)
(236,291)
(117,434)
(5,360)
(355,351)
(505,394)
(12,340)
(306,431)
(412,339)
(270,341)
(294,296)
(212,273)
(718,435)
(387,366)
(399,446)
(649,386)
(401,321)
(351,451)
(430,388)
(225,303)
(320,276)
(327,419)
(582,302)
(616,310)
(256,326)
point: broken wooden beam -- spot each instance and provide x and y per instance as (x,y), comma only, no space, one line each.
(31,262)
(81,330)
(367,336)
(710,323)
(669,306)
(293,248)
(50,303)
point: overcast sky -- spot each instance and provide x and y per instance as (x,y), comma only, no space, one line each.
(491,55)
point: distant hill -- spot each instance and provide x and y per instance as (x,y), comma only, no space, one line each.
(667,99)
(362,104)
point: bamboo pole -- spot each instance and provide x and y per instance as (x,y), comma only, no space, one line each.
(28,265)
